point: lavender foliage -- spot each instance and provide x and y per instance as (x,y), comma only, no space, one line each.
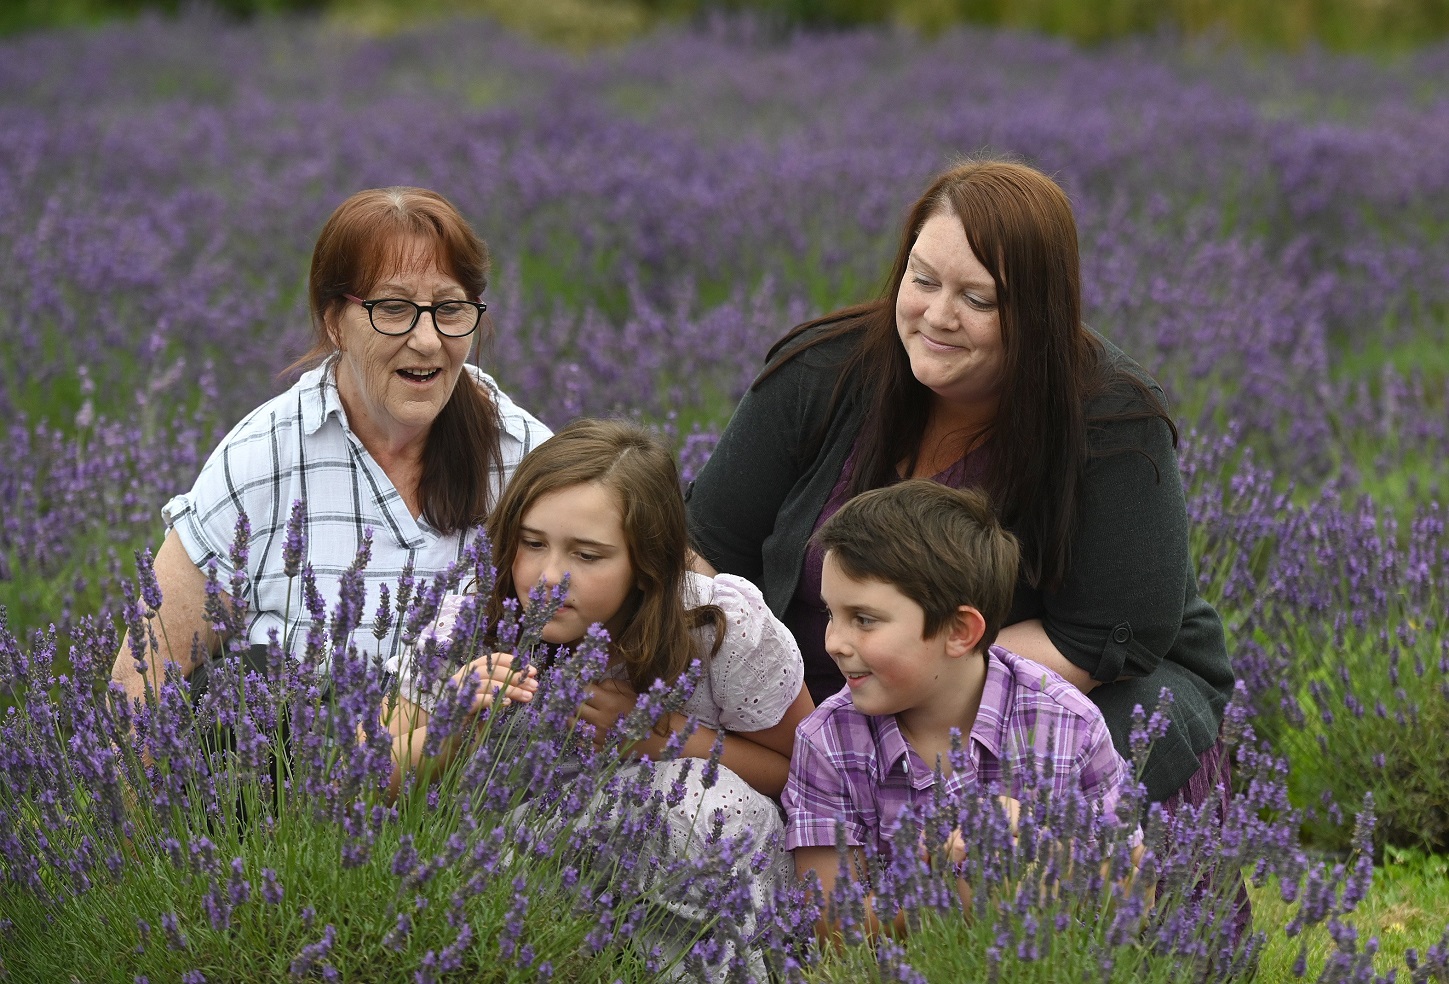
(113,808)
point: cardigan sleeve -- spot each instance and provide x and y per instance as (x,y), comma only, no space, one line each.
(1121,605)
(770,442)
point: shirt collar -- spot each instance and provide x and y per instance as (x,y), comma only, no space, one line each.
(900,762)
(319,399)
(988,731)
(991,717)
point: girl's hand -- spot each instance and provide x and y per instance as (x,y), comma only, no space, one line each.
(498,677)
(608,701)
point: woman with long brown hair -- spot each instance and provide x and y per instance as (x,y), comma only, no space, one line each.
(974,369)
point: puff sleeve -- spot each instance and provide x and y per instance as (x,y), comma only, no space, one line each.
(757,672)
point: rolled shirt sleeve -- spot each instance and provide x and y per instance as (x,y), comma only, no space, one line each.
(817,799)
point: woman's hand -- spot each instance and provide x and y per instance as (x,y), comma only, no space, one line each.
(610,701)
(495,675)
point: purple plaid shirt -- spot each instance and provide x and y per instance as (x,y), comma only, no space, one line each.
(857,769)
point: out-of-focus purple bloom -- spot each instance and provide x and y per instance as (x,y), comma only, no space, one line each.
(294,545)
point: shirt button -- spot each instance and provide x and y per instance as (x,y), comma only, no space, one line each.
(1122,633)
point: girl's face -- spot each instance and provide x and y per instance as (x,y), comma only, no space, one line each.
(578,531)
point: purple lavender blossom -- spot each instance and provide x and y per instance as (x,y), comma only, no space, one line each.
(294,547)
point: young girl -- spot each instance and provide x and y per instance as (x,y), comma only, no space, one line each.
(600,502)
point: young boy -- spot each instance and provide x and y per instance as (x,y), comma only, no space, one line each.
(917,580)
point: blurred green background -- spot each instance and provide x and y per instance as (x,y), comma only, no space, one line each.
(1357,25)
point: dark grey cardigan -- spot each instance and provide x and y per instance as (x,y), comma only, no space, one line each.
(1129,605)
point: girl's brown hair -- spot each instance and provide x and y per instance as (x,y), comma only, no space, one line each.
(1019,224)
(371,235)
(656,641)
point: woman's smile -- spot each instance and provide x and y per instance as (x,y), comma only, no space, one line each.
(934,345)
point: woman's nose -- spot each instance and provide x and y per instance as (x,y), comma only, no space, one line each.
(554,569)
(425,337)
(941,312)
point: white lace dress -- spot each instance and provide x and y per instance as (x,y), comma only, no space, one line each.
(748,685)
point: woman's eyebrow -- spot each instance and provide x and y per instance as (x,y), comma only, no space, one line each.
(403,290)
(920,261)
(926,267)
(572,541)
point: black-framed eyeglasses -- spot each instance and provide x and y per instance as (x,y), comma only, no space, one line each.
(398,315)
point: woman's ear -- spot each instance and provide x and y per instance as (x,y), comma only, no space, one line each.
(332,324)
(965,632)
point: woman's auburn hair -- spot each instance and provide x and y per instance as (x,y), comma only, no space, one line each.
(657,639)
(1019,224)
(369,236)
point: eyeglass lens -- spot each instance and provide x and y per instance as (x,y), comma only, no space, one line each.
(395,316)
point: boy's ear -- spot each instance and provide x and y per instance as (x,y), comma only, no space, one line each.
(965,632)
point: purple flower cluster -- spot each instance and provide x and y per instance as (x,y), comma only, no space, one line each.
(1338,618)
(118,817)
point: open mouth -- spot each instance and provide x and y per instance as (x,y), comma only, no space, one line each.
(855,679)
(418,375)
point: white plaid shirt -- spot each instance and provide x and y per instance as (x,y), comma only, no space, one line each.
(298,446)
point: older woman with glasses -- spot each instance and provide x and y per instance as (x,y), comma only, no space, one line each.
(389,430)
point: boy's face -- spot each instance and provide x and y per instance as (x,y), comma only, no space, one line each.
(875,636)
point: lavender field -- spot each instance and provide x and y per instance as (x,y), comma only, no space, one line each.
(1268,235)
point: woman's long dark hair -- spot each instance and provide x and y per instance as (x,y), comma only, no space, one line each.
(1020,226)
(368,237)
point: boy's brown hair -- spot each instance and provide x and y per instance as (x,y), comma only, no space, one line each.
(940,547)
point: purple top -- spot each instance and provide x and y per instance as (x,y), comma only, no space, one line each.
(858,770)
(805,614)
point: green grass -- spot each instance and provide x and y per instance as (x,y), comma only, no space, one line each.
(1380,26)
(1408,908)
